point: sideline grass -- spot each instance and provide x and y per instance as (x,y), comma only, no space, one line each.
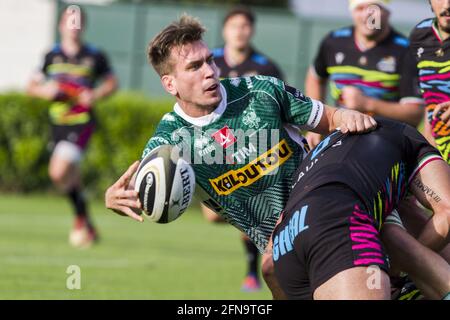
(187,259)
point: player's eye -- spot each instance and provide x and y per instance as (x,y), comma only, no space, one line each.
(195,66)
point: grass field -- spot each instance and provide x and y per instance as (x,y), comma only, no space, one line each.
(188,259)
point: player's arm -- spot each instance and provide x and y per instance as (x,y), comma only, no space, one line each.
(121,196)
(108,82)
(347,120)
(431,186)
(312,115)
(408,109)
(316,85)
(39,87)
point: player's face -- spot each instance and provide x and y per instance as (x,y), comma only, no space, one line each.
(195,77)
(370,20)
(71,26)
(441,9)
(237,32)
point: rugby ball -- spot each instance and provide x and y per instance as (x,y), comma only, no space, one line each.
(165,183)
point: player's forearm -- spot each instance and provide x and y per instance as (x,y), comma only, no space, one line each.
(106,88)
(37,90)
(410,113)
(427,269)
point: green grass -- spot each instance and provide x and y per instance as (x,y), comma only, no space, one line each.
(187,259)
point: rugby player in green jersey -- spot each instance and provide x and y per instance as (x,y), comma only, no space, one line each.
(221,116)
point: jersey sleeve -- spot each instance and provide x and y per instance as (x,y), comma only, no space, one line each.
(296,108)
(418,151)
(274,71)
(46,64)
(163,136)
(102,66)
(320,61)
(409,79)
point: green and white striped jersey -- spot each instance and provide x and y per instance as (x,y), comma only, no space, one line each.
(246,151)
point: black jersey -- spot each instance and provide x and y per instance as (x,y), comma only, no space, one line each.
(377,166)
(73,75)
(255,64)
(382,72)
(432,56)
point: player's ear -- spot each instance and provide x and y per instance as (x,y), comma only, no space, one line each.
(169,84)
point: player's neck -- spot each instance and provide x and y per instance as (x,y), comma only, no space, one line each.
(442,34)
(70,47)
(195,111)
(235,56)
(366,43)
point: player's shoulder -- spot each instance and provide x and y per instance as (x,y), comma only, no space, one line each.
(252,83)
(340,34)
(169,122)
(422,30)
(336,37)
(399,39)
(54,50)
(218,52)
(93,50)
(259,58)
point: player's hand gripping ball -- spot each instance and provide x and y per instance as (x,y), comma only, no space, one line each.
(165,183)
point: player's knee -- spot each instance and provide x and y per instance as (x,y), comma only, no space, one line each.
(56,174)
(211,216)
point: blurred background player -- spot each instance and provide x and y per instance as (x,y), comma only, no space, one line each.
(367,67)
(68,77)
(237,58)
(430,46)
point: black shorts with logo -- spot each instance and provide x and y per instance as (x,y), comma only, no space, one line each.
(331,233)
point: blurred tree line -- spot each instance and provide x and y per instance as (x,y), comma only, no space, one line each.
(266,3)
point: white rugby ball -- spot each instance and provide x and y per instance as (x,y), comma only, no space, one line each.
(165,183)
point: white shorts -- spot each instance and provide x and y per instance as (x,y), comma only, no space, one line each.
(68,151)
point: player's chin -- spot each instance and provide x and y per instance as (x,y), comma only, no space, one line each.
(212,99)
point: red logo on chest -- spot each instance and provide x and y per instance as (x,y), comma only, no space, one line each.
(224,137)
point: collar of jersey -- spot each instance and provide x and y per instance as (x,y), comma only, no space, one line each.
(209,118)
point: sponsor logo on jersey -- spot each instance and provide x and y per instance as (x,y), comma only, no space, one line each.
(420,52)
(235,81)
(296,93)
(363,61)
(250,118)
(387,64)
(340,56)
(168,117)
(252,172)
(243,153)
(224,137)
(249,82)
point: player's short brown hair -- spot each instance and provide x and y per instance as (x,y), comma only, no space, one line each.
(240,10)
(184,31)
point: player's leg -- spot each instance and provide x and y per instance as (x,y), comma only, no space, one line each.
(64,171)
(268,273)
(414,218)
(251,281)
(210,215)
(431,186)
(429,271)
(359,283)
